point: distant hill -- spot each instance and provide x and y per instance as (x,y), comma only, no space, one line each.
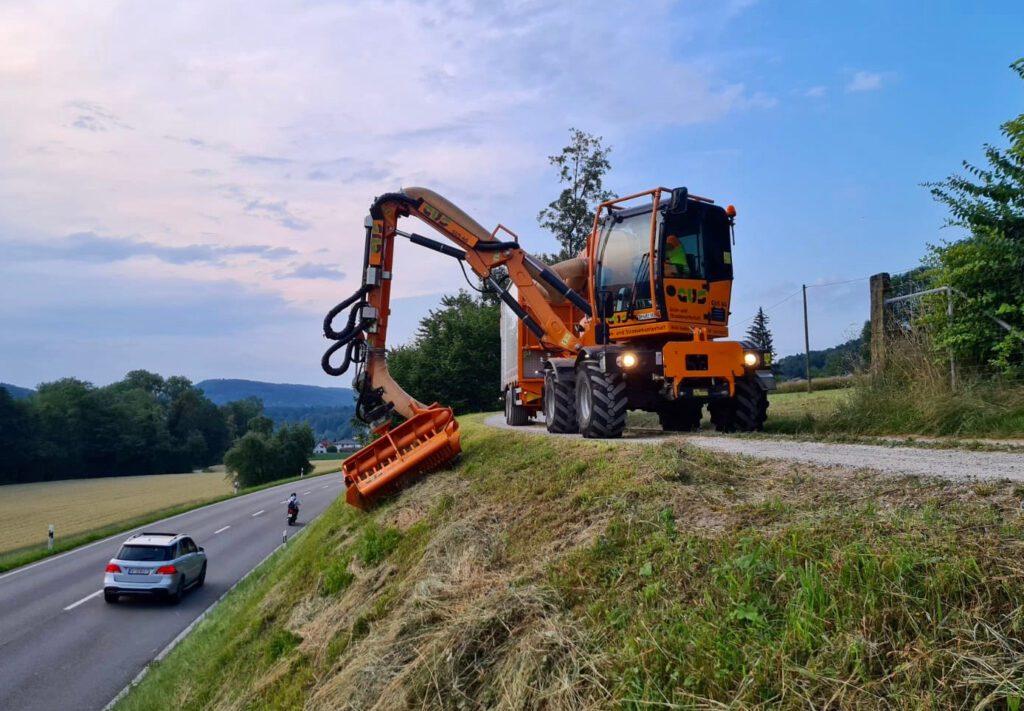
(327,410)
(222,391)
(837,360)
(18,393)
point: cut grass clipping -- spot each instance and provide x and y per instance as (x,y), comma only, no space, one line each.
(570,574)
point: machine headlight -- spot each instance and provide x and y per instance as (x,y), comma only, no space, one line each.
(750,359)
(627,360)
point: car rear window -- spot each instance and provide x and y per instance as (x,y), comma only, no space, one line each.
(153,553)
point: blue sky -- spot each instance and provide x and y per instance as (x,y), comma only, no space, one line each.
(182,187)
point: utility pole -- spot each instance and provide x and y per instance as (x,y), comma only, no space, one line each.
(807,344)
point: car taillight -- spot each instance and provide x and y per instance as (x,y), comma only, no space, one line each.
(166,570)
(113,568)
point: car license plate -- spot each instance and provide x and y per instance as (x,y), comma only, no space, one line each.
(700,392)
(138,571)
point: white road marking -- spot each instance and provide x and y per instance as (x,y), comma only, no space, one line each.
(87,598)
(285,501)
(304,493)
(325,486)
(259,512)
(221,530)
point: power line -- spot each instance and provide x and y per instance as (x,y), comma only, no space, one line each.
(770,308)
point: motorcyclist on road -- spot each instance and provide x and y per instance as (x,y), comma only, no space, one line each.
(293,501)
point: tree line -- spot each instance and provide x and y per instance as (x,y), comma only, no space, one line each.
(142,424)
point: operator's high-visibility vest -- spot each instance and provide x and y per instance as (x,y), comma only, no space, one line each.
(677,257)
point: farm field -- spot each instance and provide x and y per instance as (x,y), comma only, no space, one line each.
(75,506)
(78,506)
(786,411)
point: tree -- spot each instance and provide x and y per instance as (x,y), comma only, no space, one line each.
(17,439)
(760,335)
(261,424)
(988,266)
(581,166)
(259,457)
(250,460)
(455,357)
(240,413)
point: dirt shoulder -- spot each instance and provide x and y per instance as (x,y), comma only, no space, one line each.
(946,463)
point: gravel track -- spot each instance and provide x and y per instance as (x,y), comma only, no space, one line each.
(947,463)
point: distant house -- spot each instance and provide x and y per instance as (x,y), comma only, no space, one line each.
(321,446)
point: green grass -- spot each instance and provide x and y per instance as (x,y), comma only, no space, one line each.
(30,554)
(890,406)
(832,382)
(543,572)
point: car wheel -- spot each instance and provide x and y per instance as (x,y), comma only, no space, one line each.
(202,577)
(110,597)
(175,597)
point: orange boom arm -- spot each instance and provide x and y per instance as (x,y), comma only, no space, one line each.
(429,436)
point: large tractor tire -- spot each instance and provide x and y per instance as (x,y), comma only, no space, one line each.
(745,411)
(600,401)
(559,405)
(515,415)
(681,416)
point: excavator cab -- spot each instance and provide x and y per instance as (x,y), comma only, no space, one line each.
(667,261)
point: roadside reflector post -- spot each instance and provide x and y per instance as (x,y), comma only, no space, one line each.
(236,484)
(284,536)
(49,538)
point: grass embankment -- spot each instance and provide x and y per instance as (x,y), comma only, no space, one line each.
(86,510)
(574,574)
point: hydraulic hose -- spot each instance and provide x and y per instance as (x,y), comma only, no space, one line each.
(347,338)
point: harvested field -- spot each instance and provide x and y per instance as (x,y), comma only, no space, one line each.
(78,506)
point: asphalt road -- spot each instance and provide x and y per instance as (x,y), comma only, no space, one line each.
(63,647)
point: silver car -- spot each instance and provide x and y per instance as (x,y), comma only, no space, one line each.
(158,564)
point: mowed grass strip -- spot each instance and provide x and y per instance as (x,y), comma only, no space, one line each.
(79,506)
(564,574)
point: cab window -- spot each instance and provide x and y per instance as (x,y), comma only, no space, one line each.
(696,244)
(624,261)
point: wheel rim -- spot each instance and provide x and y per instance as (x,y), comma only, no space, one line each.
(549,402)
(585,401)
(508,404)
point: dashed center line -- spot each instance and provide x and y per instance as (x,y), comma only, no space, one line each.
(221,530)
(304,493)
(258,512)
(87,598)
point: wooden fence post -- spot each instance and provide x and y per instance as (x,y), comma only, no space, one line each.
(881,320)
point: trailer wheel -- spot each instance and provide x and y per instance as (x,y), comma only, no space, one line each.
(681,416)
(600,401)
(515,415)
(745,411)
(559,406)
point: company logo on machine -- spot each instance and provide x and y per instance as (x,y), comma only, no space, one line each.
(376,242)
(434,215)
(688,296)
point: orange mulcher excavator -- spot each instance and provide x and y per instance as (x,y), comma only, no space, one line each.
(629,324)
